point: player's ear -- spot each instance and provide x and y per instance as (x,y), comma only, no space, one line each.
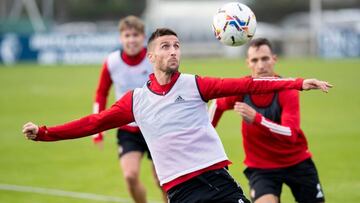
(247,61)
(150,56)
(274,57)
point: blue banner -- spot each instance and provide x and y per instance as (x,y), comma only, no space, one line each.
(53,48)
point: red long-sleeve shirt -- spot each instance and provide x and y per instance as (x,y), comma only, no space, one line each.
(121,112)
(268,144)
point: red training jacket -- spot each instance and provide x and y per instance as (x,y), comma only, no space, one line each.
(268,144)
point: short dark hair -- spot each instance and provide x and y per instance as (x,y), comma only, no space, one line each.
(259,42)
(130,22)
(160,32)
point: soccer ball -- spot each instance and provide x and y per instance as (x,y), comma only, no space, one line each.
(234,24)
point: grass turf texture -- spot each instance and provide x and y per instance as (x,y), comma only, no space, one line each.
(56,94)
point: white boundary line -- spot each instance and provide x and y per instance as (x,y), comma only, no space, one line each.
(63,193)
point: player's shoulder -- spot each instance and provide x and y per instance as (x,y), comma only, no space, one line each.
(142,88)
(128,95)
(114,60)
(187,75)
(114,55)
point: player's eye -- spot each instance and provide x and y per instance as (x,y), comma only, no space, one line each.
(165,46)
(254,60)
(135,35)
(266,58)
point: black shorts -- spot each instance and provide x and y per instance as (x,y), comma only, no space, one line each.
(215,186)
(302,179)
(129,142)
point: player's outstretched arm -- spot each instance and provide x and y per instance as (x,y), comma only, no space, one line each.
(211,88)
(119,114)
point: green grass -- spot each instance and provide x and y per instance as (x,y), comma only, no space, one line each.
(56,94)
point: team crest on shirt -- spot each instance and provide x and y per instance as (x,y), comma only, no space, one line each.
(179,99)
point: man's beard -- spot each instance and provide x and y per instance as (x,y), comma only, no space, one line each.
(168,70)
(171,70)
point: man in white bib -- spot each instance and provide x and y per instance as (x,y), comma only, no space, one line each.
(171,111)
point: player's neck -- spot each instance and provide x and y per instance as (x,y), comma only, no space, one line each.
(163,78)
(133,60)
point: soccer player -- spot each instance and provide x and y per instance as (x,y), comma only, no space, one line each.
(276,150)
(171,111)
(127,69)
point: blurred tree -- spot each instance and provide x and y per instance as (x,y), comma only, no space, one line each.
(94,10)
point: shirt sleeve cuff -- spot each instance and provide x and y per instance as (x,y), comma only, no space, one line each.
(258,118)
(41,133)
(98,138)
(299,83)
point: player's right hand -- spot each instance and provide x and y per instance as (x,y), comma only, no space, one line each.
(98,140)
(30,131)
(247,112)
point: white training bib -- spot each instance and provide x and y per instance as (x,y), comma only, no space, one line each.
(126,77)
(177,129)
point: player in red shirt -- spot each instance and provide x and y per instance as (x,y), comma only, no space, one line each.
(276,149)
(127,68)
(171,112)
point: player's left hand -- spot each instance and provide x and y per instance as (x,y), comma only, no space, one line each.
(309,84)
(246,111)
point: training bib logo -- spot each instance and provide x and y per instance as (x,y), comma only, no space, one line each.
(179,99)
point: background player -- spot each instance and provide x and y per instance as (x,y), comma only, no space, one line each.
(127,69)
(276,149)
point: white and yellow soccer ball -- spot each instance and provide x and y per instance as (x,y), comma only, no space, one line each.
(234,24)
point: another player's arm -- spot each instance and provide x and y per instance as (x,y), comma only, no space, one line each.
(102,92)
(289,127)
(218,106)
(211,88)
(119,114)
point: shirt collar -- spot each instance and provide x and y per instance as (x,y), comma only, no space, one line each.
(155,87)
(134,60)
